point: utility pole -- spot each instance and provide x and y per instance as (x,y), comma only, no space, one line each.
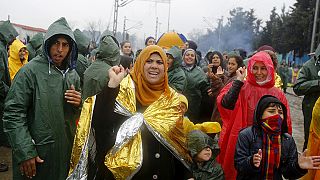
(316,14)
(156,35)
(220,23)
(124,29)
(115,17)
(169,15)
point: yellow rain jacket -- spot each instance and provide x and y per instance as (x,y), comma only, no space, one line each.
(314,141)
(14,61)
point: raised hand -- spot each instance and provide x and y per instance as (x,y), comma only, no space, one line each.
(116,74)
(308,162)
(220,71)
(241,73)
(28,167)
(257,158)
(72,96)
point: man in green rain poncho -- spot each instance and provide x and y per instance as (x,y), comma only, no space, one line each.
(42,107)
(7,36)
(34,46)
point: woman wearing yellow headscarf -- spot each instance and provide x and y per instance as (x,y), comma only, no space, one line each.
(314,140)
(18,57)
(124,131)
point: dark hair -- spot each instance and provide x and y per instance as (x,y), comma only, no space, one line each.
(242,52)
(126,61)
(217,53)
(270,101)
(52,40)
(148,38)
(238,58)
(124,42)
(192,45)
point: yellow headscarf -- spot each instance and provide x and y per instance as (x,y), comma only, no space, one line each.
(147,93)
(14,61)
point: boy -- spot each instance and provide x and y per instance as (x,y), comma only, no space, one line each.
(203,151)
(266,150)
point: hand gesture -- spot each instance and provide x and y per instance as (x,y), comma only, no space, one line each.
(308,162)
(257,158)
(72,96)
(220,71)
(210,66)
(241,73)
(28,167)
(116,74)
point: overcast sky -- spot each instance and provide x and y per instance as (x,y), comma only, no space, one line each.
(186,15)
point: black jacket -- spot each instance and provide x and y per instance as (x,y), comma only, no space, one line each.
(158,162)
(248,144)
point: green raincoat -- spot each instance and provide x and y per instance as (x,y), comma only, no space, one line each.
(108,55)
(209,170)
(7,34)
(308,84)
(196,89)
(37,118)
(34,46)
(83,44)
(176,76)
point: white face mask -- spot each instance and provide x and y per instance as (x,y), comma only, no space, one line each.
(263,82)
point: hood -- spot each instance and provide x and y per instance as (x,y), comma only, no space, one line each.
(263,104)
(266,59)
(197,141)
(82,41)
(176,53)
(14,51)
(7,32)
(36,41)
(108,50)
(61,27)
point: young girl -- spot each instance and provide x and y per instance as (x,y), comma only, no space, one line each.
(266,150)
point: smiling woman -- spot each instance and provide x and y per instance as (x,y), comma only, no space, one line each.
(154,69)
(140,107)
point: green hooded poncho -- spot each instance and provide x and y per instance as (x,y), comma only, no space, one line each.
(209,170)
(176,76)
(308,84)
(7,34)
(37,118)
(96,76)
(34,46)
(83,63)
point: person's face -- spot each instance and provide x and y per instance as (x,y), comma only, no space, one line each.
(126,49)
(183,108)
(204,155)
(190,58)
(154,69)
(216,61)
(232,65)
(186,45)
(59,50)
(151,42)
(22,53)
(170,60)
(260,71)
(271,111)
(225,57)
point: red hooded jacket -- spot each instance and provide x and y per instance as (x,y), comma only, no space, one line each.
(242,114)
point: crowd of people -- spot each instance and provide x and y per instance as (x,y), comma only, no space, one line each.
(164,112)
